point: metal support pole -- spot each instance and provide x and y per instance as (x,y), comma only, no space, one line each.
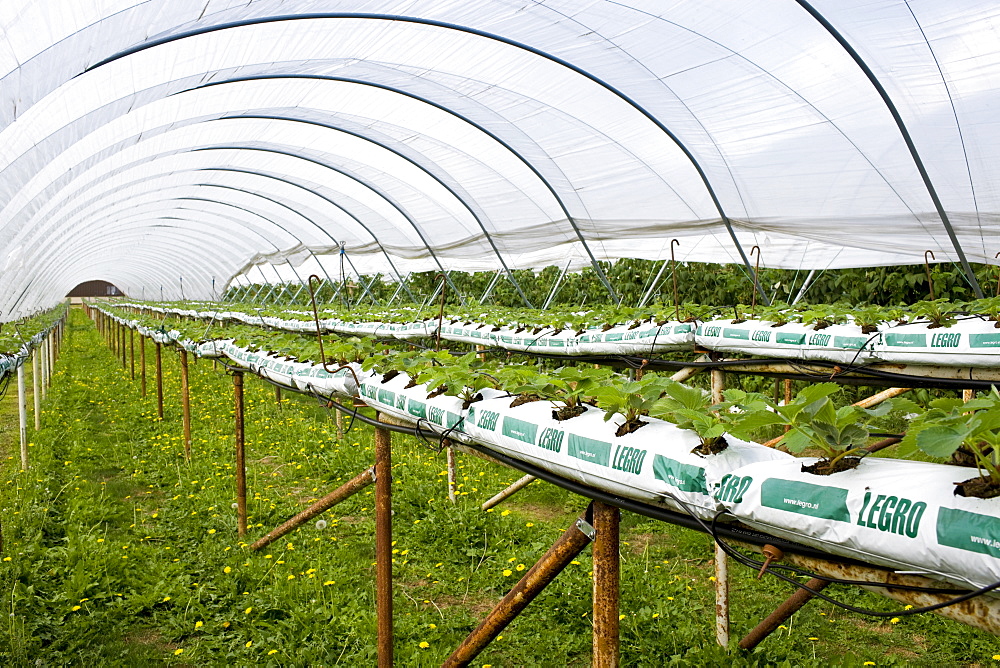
(241,470)
(652,286)
(791,605)
(721,560)
(383,544)
(142,362)
(606,585)
(22,416)
(345,491)
(186,404)
(555,288)
(451,474)
(509,492)
(36,372)
(570,544)
(131,352)
(159,382)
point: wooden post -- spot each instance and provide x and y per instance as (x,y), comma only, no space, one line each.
(721,560)
(186,405)
(241,470)
(345,491)
(159,381)
(515,487)
(45,368)
(22,416)
(36,372)
(142,362)
(340,424)
(383,544)
(131,351)
(121,339)
(606,585)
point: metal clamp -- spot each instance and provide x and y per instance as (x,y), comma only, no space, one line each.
(586,528)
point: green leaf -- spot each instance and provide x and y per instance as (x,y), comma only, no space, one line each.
(940,441)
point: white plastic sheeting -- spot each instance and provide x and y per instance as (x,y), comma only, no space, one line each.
(171,144)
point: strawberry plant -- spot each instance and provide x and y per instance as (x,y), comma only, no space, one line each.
(692,408)
(631,399)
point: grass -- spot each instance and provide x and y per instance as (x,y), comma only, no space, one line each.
(118,552)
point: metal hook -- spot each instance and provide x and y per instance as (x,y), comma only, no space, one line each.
(756,284)
(927,268)
(673,270)
(444,288)
(319,332)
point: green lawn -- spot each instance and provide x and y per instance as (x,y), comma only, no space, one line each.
(118,552)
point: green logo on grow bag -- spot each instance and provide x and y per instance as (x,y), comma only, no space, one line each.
(386,397)
(790,339)
(852,342)
(551,439)
(736,334)
(684,477)
(589,449)
(369,391)
(488,420)
(733,487)
(945,339)
(436,415)
(969,531)
(895,515)
(519,429)
(984,340)
(805,498)
(762,335)
(628,459)
(417,408)
(906,340)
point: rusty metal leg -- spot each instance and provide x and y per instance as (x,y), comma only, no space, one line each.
(159,381)
(36,372)
(517,486)
(606,585)
(781,614)
(186,404)
(721,560)
(563,551)
(22,416)
(345,491)
(383,544)
(452,483)
(241,470)
(142,362)
(131,352)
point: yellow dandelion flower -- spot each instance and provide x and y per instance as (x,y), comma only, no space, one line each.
(424,644)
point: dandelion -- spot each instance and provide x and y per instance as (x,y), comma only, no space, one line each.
(813,638)
(424,644)
(328,583)
(236,505)
(291,577)
(273,651)
(247,611)
(227,570)
(165,599)
(868,663)
(321,524)
(211,531)
(178,651)
(249,642)
(74,608)
(621,617)
(894,620)
(432,626)
(520,567)
(996,657)
(507,572)
(505,513)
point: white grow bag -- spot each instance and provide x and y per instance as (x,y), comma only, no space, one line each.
(645,339)
(894,513)
(440,414)
(644,465)
(566,342)
(479,334)
(314,378)
(844,344)
(973,342)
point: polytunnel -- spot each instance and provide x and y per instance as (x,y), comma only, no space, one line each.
(194,185)
(159,145)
